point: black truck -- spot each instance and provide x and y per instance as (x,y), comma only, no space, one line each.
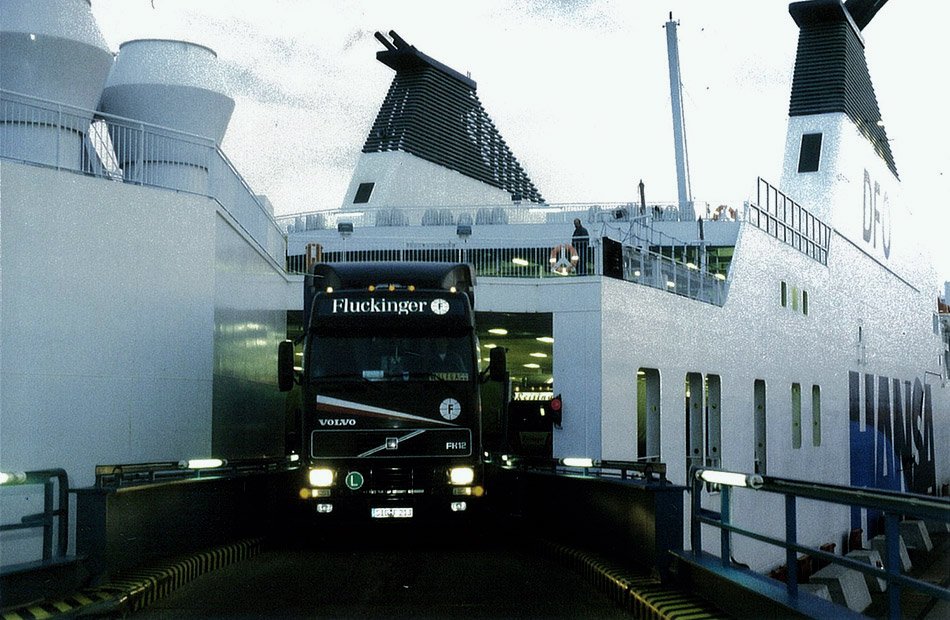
(390,421)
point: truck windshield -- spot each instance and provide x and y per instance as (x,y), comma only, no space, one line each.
(388,358)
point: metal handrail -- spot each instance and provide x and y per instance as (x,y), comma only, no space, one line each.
(55,509)
(498,258)
(122,149)
(891,503)
(786,220)
(624,470)
(138,474)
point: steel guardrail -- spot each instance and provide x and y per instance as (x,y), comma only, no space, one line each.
(651,472)
(55,508)
(893,504)
(138,474)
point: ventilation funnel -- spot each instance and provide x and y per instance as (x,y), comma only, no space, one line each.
(54,55)
(178,87)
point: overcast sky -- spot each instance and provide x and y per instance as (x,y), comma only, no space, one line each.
(579,90)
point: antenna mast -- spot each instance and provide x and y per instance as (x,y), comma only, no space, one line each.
(679,125)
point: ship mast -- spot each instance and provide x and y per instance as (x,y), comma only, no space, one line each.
(686,212)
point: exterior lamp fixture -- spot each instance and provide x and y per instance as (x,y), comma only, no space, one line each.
(464,231)
(12,477)
(574,461)
(202,463)
(345,229)
(729,478)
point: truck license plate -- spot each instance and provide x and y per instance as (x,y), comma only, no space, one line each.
(391,513)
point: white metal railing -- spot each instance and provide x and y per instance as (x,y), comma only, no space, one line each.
(51,134)
(639,265)
(789,222)
(663,272)
(502,262)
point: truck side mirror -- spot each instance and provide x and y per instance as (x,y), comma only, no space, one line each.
(285,365)
(498,364)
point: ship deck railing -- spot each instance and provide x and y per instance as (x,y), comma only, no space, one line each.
(637,264)
(789,222)
(50,134)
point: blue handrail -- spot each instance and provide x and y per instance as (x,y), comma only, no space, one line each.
(894,505)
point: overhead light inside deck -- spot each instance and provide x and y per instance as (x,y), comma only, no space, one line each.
(498,331)
(521,262)
(545,339)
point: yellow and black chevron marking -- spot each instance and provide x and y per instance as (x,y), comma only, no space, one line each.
(645,597)
(140,588)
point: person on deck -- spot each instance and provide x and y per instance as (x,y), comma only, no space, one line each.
(580,240)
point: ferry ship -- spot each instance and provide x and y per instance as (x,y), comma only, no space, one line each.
(145,286)
(795,335)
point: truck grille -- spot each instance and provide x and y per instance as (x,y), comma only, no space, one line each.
(398,479)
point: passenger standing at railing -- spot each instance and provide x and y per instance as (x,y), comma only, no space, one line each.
(580,240)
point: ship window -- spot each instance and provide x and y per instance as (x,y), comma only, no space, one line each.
(648,414)
(784,294)
(363,193)
(810,153)
(805,302)
(695,395)
(758,422)
(713,420)
(795,298)
(816,415)
(796,415)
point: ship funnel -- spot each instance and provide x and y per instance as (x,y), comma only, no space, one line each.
(177,86)
(52,52)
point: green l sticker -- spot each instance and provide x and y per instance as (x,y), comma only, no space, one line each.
(354,480)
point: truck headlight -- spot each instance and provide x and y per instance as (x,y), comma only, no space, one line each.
(461,475)
(321,477)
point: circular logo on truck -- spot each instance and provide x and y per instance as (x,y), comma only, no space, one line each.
(354,480)
(450,408)
(439,306)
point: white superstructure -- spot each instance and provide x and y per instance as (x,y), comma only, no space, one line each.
(794,335)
